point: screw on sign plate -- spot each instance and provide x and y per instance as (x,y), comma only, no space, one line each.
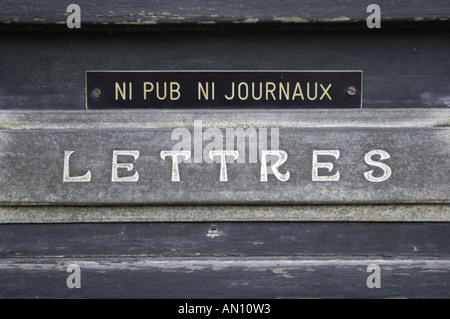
(351,91)
(96,93)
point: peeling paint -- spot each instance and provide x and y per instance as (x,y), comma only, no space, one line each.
(290,19)
(138,23)
(338,19)
(250,20)
(277,266)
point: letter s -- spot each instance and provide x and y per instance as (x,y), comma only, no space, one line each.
(386,169)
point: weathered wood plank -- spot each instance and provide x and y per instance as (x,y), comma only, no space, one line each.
(401,69)
(368,165)
(229,11)
(174,118)
(140,240)
(45,71)
(229,278)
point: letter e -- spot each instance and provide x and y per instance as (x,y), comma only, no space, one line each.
(316,165)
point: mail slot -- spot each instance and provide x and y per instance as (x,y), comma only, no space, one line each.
(278,149)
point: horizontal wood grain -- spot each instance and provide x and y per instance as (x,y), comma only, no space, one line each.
(401,69)
(238,239)
(224,279)
(229,11)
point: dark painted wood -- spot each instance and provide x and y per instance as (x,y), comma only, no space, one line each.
(229,11)
(405,64)
(414,240)
(223,278)
(402,69)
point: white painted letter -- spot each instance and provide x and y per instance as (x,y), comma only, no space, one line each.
(282,157)
(316,165)
(128,166)
(223,163)
(66,174)
(174,155)
(386,169)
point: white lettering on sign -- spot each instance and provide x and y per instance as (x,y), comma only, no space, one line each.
(223,163)
(316,165)
(386,169)
(66,171)
(174,155)
(282,157)
(115,166)
(237,142)
(225,156)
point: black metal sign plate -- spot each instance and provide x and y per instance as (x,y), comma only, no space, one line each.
(228,89)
